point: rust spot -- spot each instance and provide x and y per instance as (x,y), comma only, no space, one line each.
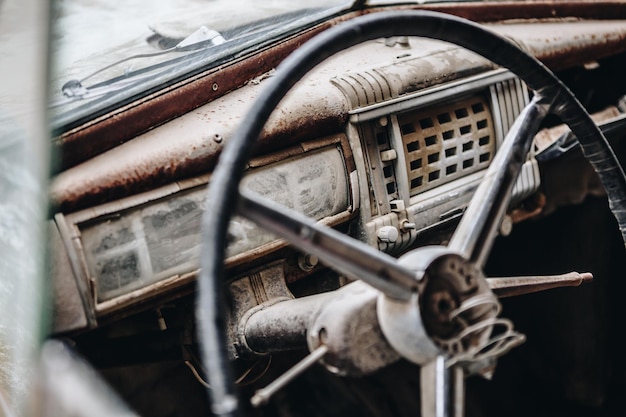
(490,12)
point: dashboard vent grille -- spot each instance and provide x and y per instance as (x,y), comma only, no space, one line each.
(447,142)
(512,97)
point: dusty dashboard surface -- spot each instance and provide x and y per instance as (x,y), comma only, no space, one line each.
(405,126)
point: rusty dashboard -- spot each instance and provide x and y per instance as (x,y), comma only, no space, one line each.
(386,142)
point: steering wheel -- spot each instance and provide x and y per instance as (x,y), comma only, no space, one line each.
(421,331)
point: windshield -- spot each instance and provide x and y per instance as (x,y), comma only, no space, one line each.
(108,52)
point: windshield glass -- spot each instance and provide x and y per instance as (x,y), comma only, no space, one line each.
(107,52)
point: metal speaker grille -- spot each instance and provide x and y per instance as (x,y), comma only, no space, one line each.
(447,142)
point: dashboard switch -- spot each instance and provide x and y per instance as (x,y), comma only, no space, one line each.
(388,234)
(388,155)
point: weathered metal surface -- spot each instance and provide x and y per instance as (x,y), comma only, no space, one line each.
(189,145)
(255,292)
(273,326)
(343,320)
(492,11)
(68,309)
(108,131)
(455,314)
(118,126)
(402,69)
(158,240)
(513,286)
(349,327)
(560,44)
(137,248)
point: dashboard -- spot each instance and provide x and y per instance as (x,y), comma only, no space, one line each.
(386,141)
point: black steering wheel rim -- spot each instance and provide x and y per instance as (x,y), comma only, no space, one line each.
(223,190)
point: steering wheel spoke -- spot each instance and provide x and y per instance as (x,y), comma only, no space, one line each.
(344,254)
(474,236)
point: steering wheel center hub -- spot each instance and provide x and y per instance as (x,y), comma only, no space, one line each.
(452,314)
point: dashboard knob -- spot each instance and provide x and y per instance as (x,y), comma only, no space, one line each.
(388,234)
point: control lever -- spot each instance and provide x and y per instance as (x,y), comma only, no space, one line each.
(512,286)
(263,395)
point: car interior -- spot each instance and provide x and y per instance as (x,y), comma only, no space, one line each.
(394,210)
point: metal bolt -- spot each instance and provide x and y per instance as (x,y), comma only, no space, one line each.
(215,86)
(506,226)
(307,262)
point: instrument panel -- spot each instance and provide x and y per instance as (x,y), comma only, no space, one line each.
(404,166)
